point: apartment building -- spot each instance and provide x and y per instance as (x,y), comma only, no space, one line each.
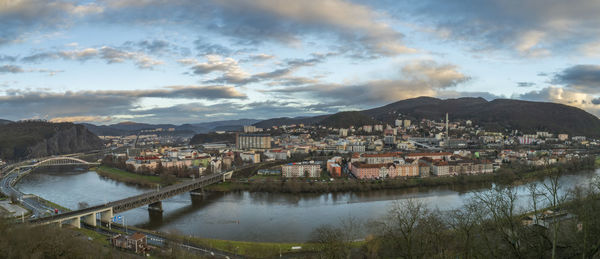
(253,141)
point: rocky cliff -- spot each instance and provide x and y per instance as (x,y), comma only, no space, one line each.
(38,138)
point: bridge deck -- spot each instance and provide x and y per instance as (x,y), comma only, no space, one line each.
(138,200)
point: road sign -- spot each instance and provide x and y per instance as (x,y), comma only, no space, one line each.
(117,218)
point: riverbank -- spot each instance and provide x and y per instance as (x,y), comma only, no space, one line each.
(127,177)
(502,176)
(243,248)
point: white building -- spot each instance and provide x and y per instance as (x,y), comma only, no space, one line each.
(278,154)
(250,157)
(293,170)
(249,129)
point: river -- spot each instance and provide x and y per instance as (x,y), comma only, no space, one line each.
(248,216)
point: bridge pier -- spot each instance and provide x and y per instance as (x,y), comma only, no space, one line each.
(157,206)
(155,211)
(106,216)
(198,193)
(76,222)
(197,196)
(90,219)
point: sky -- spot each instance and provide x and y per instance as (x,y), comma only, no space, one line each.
(188,61)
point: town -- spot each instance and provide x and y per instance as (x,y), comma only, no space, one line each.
(422,148)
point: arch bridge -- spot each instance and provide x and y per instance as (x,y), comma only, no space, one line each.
(61,161)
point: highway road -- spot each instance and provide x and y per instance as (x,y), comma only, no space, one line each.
(159,240)
(37,208)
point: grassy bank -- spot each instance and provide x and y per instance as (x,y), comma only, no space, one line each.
(127,177)
(503,176)
(255,249)
(243,248)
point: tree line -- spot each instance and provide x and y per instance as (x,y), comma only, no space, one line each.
(515,172)
(552,220)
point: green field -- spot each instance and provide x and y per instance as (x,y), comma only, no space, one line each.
(254,249)
(127,177)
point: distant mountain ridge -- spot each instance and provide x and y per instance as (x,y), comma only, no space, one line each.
(127,128)
(498,114)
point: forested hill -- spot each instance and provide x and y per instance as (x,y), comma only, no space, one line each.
(29,139)
(499,114)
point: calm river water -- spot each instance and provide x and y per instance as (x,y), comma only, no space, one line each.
(248,216)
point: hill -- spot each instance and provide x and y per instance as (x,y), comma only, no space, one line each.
(28,139)
(128,128)
(498,114)
(2,122)
(203,138)
(347,119)
(287,121)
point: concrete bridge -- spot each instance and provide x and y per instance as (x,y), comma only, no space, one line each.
(57,161)
(60,161)
(152,199)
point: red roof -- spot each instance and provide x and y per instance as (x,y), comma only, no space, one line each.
(382,155)
(147,158)
(364,165)
(430,154)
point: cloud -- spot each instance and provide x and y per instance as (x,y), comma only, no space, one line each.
(259,57)
(157,47)
(7,58)
(591,49)
(531,28)
(232,73)
(417,78)
(198,112)
(109,54)
(185,92)
(42,104)
(206,48)
(583,78)
(11,69)
(4,69)
(80,55)
(355,24)
(565,96)
(25,16)
(525,84)
(81,119)
(256,22)
(113,55)
(229,67)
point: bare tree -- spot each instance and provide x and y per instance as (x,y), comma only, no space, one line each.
(336,242)
(465,222)
(499,208)
(552,189)
(412,229)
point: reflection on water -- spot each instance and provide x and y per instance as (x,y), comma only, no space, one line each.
(250,216)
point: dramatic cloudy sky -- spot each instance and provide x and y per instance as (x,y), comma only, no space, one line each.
(186,61)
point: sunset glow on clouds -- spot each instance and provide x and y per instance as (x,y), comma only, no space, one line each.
(191,61)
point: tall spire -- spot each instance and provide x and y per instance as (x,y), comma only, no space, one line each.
(447,135)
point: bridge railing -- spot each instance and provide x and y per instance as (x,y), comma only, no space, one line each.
(154,196)
(69,214)
(135,201)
